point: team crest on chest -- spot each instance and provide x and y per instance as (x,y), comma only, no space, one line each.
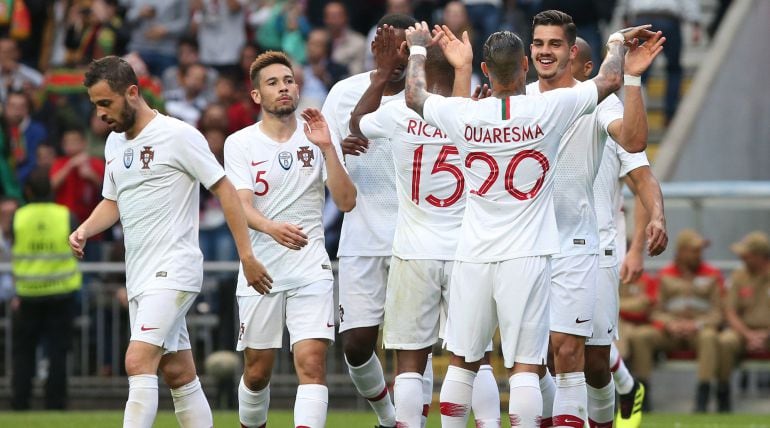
(285,159)
(128,157)
(306,156)
(146,156)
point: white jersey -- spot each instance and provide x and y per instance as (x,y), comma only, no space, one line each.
(155,180)
(608,193)
(580,154)
(288,184)
(429,182)
(368,229)
(509,148)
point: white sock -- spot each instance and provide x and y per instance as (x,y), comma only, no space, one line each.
(548,391)
(601,406)
(191,407)
(370,383)
(486,398)
(311,405)
(624,382)
(252,405)
(427,390)
(525,406)
(570,401)
(455,397)
(142,404)
(408,410)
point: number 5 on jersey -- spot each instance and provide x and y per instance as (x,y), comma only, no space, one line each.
(441,165)
(260,185)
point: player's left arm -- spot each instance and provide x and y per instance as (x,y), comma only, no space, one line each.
(416,85)
(337,180)
(646,187)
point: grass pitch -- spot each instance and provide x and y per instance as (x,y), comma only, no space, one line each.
(280,419)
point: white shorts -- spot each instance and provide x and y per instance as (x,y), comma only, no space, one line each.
(416,303)
(307,312)
(363,281)
(573,294)
(512,293)
(157,316)
(605,318)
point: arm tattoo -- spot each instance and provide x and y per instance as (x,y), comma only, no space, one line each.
(610,74)
(416,94)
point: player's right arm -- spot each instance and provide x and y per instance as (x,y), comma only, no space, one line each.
(286,234)
(102,217)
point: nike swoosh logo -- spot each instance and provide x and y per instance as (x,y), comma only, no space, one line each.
(257,163)
(610,330)
(579,321)
(143,328)
(329,325)
(110,161)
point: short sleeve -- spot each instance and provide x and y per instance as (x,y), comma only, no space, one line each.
(628,161)
(195,157)
(109,189)
(237,164)
(569,104)
(608,111)
(328,110)
(380,123)
(443,112)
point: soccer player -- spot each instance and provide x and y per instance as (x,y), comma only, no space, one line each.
(431,201)
(154,166)
(577,309)
(279,166)
(366,240)
(501,274)
(617,165)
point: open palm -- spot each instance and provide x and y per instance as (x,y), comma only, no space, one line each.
(640,56)
(458,52)
(316,129)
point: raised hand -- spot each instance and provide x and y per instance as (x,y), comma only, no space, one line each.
(458,52)
(641,32)
(316,129)
(481,92)
(419,35)
(389,55)
(640,56)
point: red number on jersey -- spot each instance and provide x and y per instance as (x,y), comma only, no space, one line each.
(263,182)
(494,172)
(441,165)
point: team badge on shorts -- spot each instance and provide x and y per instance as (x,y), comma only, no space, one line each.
(128,157)
(306,156)
(285,159)
(146,156)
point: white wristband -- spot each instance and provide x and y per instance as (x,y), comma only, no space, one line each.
(630,80)
(418,50)
(616,37)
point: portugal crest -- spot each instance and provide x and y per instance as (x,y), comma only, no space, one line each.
(146,156)
(128,157)
(306,156)
(285,159)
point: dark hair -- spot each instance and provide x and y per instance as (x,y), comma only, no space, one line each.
(556,17)
(38,184)
(189,41)
(503,54)
(264,60)
(437,65)
(113,70)
(397,20)
(20,93)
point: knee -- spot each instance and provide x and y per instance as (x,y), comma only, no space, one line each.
(569,353)
(256,377)
(597,363)
(312,369)
(135,364)
(358,346)
(729,341)
(707,336)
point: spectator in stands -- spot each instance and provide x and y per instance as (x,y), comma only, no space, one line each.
(47,279)
(23,133)
(8,207)
(348,47)
(94,30)
(187,102)
(282,26)
(484,16)
(686,316)
(636,302)
(320,73)
(221,30)
(666,16)
(241,110)
(157,27)
(15,76)
(747,311)
(46,155)
(187,53)
(76,177)
(403,7)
